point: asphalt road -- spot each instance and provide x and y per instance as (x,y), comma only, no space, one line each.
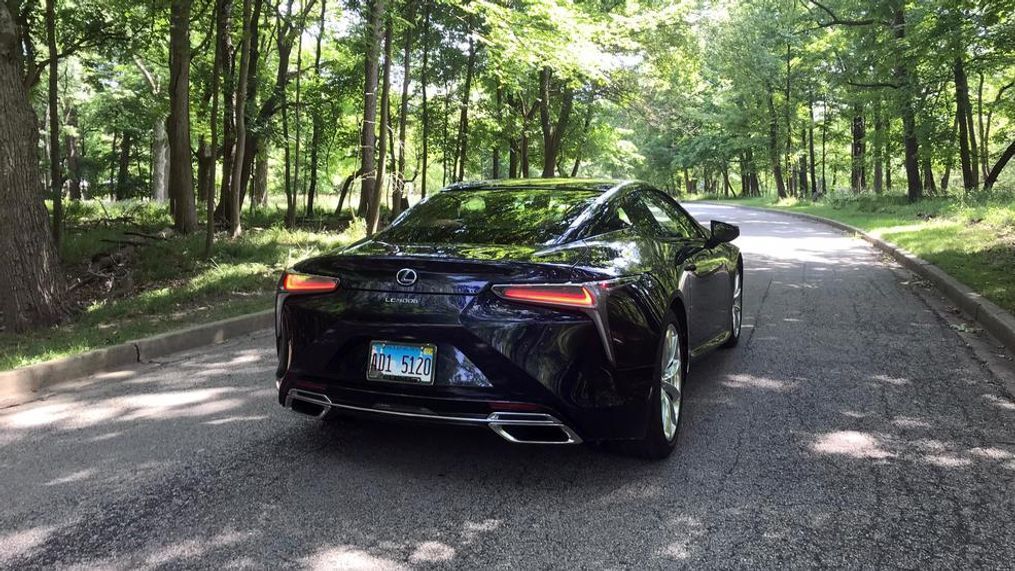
(852,427)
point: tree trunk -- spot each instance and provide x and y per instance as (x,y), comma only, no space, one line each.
(929,185)
(31,280)
(999,166)
(55,159)
(123,166)
(315,136)
(224,36)
(259,192)
(463,119)
(368,134)
(73,157)
(904,77)
(251,148)
(398,187)
(553,135)
(235,228)
(181,169)
(967,144)
(205,170)
(773,146)
(374,212)
(160,161)
(422,83)
(858,168)
(879,147)
(810,127)
(208,181)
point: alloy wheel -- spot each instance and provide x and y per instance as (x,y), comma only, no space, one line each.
(738,304)
(672,382)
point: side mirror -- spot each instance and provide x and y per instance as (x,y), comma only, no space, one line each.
(722,233)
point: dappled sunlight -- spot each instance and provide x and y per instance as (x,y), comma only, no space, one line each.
(686,532)
(759,383)
(851,443)
(17,543)
(432,552)
(348,557)
(191,549)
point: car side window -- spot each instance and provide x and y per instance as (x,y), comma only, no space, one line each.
(674,222)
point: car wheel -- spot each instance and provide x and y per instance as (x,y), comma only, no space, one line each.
(736,309)
(666,401)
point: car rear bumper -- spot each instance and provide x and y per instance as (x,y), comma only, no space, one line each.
(544,420)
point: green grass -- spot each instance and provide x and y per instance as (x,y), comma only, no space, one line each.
(972,239)
(170,284)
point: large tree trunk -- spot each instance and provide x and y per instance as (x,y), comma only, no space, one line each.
(879,148)
(773,146)
(315,136)
(374,211)
(241,129)
(55,170)
(224,25)
(967,139)
(31,281)
(368,134)
(553,135)
(181,170)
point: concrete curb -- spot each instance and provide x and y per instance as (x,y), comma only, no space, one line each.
(988,314)
(28,383)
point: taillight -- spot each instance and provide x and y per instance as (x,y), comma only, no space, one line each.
(306,283)
(566,295)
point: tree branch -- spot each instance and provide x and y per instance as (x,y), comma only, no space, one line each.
(837,21)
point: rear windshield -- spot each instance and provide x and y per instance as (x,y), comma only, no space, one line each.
(516,216)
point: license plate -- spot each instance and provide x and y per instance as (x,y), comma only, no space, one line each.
(401,362)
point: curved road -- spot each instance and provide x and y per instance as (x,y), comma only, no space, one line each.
(852,427)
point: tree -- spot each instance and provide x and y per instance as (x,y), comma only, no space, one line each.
(181,170)
(31,280)
(368,132)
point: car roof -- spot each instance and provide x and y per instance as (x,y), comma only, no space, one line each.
(599,185)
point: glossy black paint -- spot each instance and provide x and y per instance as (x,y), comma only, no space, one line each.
(593,369)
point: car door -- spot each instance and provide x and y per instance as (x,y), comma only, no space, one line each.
(706,284)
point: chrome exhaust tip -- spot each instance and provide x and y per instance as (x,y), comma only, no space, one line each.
(531,428)
(309,403)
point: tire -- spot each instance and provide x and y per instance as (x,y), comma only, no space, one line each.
(665,403)
(736,309)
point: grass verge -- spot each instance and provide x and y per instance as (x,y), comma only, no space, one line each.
(973,240)
(163,284)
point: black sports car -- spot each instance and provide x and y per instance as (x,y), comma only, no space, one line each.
(551,311)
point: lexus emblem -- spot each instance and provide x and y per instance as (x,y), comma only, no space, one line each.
(406,277)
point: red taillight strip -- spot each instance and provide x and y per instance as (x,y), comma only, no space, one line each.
(567,295)
(306,283)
